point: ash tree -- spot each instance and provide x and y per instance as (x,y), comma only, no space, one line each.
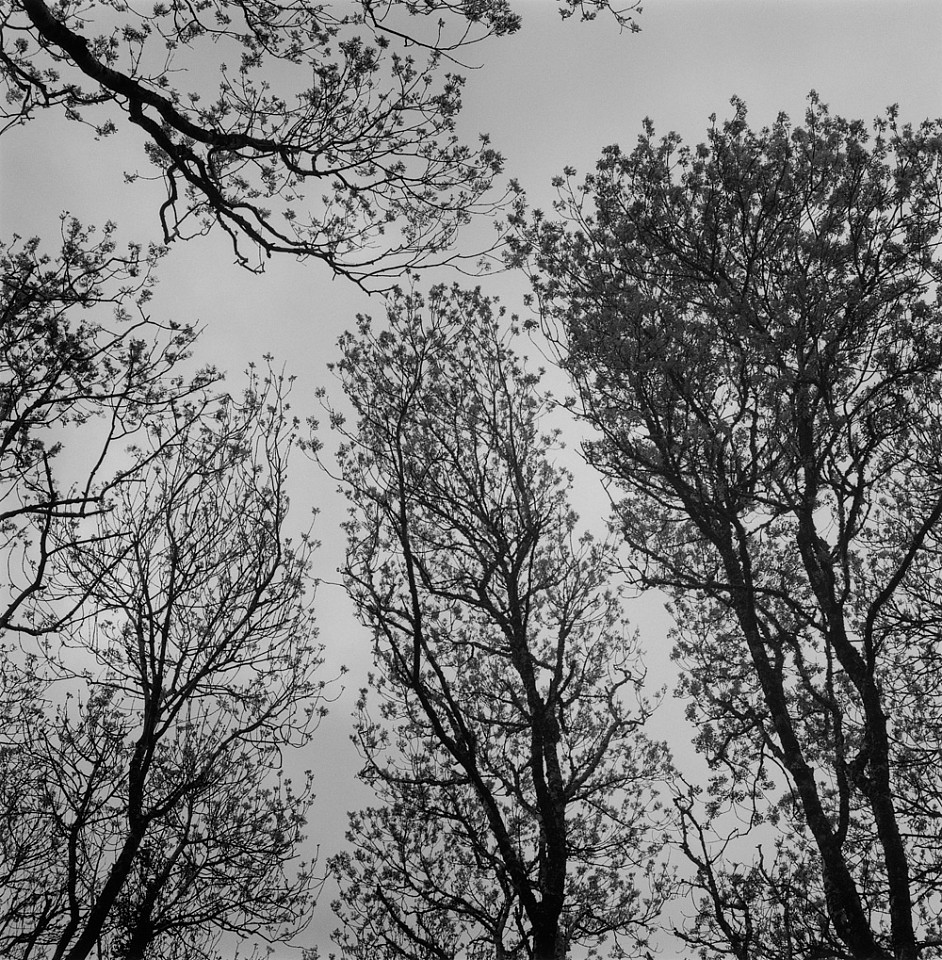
(753,326)
(324,130)
(517,793)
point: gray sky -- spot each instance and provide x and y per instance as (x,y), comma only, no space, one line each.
(553,95)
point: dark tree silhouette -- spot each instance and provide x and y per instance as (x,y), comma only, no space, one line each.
(753,326)
(325,130)
(145,809)
(518,792)
(77,384)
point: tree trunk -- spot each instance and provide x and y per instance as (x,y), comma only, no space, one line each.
(545,937)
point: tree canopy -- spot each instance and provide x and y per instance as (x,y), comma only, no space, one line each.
(167,656)
(84,368)
(753,330)
(520,794)
(753,326)
(325,130)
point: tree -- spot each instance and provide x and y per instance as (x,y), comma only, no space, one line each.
(518,793)
(63,369)
(74,388)
(149,763)
(327,131)
(753,326)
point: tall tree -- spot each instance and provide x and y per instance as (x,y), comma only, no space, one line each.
(753,326)
(518,791)
(83,368)
(327,130)
(148,763)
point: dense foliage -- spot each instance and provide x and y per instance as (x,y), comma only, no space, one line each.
(753,326)
(519,800)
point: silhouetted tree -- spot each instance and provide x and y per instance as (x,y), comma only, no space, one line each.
(147,763)
(518,793)
(325,130)
(82,368)
(753,326)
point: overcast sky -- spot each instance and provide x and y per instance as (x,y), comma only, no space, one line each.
(553,95)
